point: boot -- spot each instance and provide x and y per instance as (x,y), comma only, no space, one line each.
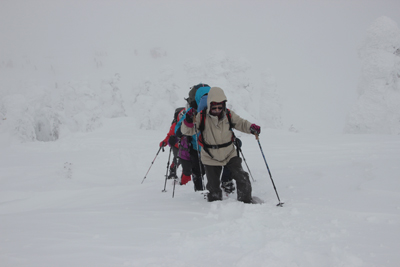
(215,196)
(172,172)
(185,179)
(228,187)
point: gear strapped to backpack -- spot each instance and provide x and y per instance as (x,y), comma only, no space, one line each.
(192,94)
(178,114)
(201,129)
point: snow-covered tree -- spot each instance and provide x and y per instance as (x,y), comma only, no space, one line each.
(48,113)
(78,107)
(111,98)
(377,109)
(17,117)
(156,99)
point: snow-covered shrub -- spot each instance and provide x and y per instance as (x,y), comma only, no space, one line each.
(17,117)
(377,109)
(47,124)
(111,98)
(155,100)
(47,113)
(78,107)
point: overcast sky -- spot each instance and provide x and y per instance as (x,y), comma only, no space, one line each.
(309,46)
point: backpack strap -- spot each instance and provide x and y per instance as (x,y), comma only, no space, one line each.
(229,116)
(202,120)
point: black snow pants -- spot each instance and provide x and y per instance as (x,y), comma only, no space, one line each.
(175,159)
(241,177)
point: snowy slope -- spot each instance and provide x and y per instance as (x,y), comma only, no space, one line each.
(79,201)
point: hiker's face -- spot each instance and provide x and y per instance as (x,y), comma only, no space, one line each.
(216,109)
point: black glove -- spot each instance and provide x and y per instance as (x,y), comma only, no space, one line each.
(172,140)
(238,143)
(189,115)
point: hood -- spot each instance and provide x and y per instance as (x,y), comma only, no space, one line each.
(215,94)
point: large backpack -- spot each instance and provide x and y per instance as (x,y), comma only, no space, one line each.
(201,129)
(192,94)
(173,139)
(178,114)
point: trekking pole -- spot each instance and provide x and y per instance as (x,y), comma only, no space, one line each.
(173,190)
(198,155)
(246,164)
(166,174)
(259,144)
(152,162)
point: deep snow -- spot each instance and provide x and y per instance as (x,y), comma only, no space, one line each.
(79,201)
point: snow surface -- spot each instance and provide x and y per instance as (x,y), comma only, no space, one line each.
(79,201)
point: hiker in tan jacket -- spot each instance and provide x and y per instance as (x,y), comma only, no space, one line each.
(217,142)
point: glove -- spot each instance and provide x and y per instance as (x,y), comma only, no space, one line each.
(255,129)
(238,143)
(163,143)
(172,140)
(189,115)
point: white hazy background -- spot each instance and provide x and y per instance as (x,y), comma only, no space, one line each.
(306,50)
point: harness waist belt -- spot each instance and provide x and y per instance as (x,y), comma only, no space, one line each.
(217,146)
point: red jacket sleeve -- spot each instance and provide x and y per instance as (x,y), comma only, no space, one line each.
(171,133)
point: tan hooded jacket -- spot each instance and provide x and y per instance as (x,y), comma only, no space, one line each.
(216,132)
